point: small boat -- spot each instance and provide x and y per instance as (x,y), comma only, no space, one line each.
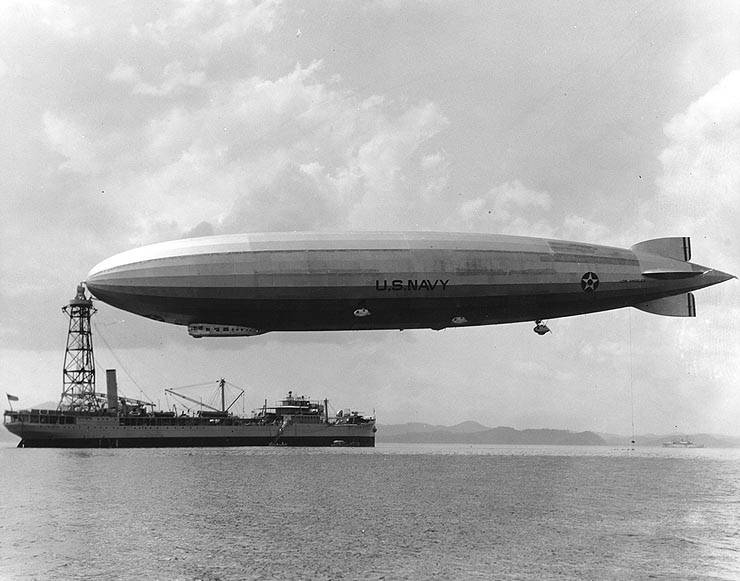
(682,443)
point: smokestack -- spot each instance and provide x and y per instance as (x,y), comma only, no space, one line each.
(112,385)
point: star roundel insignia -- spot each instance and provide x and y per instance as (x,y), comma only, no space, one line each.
(590,282)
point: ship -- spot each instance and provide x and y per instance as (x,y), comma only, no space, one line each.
(682,443)
(292,421)
(85,418)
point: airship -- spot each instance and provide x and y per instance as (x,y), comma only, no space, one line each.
(250,284)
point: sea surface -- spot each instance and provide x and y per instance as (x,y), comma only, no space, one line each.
(397,511)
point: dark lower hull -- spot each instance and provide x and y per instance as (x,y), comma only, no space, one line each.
(386,312)
(195,442)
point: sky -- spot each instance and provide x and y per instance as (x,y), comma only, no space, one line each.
(608,123)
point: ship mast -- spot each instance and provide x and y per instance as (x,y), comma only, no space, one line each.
(78,377)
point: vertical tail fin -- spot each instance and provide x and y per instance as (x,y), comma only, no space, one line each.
(675,306)
(678,248)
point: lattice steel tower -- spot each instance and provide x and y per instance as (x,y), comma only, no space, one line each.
(78,389)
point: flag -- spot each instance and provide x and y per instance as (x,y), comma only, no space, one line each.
(11,397)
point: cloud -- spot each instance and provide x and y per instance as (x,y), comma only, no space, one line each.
(51,18)
(201,229)
(713,48)
(292,152)
(174,79)
(373,178)
(124,74)
(209,27)
(576,227)
(292,201)
(70,141)
(64,19)
(398,186)
(509,208)
(512,208)
(699,188)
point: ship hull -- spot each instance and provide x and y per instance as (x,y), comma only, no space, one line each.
(193,442)
(111,432)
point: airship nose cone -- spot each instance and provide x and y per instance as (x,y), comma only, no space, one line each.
(106,275)
(95,277)
(94,273)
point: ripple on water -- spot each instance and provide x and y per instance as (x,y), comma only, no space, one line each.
(395,511)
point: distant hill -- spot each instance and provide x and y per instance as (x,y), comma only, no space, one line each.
(467,428)
(475,433)
(420,428)
(614,439)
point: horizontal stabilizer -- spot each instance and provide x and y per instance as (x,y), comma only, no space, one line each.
(676,306)
(678,248)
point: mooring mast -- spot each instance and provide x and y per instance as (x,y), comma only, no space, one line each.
(78,381)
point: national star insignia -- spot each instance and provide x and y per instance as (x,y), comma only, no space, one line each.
(590,282)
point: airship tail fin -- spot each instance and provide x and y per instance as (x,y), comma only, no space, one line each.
(675,306)
(678,248)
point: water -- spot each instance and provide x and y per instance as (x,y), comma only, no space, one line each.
(392,512)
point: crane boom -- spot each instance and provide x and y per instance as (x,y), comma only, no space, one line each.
(185,397)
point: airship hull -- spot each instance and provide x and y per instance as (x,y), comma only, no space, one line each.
(317,282)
